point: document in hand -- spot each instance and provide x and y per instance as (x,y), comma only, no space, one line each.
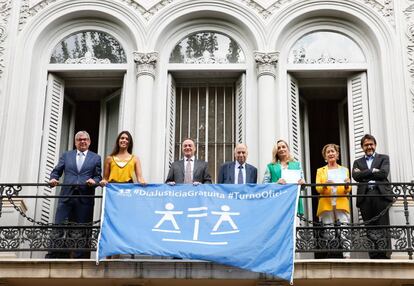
(337,175)
(291,176)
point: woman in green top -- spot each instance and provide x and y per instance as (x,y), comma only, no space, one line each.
(281,160)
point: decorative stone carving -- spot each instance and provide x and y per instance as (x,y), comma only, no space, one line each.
(266,63)
(385,7)
(409,12)
(147,13)
(26,11)
(146,63)
(265,12)
(5,6)
(207,58)
(87,59)
(299,57)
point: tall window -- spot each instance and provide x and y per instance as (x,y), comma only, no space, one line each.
(206,113)
(206,106)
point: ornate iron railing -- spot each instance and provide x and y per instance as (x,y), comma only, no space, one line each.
(311,235)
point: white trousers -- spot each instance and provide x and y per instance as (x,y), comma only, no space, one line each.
(329,218)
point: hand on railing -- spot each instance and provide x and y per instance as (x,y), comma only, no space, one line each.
(54,182)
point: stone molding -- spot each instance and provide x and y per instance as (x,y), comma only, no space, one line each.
(315,271)
(145,63)
(384,7)
(266,63)
(27,12)
(5,7)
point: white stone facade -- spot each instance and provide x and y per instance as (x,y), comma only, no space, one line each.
(148,30)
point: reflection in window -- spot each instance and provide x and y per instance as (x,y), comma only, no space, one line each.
(325,48)
(207,48)
(88,47)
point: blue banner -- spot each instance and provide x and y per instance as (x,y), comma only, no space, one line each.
(247,226)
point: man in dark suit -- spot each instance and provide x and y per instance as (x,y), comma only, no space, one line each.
(238,171)
(81,167)
(374,168)
(189,170)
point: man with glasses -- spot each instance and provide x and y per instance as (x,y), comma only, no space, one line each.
(82,169)
(370,169)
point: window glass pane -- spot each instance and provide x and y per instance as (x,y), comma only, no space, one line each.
(210,109)
(207,48)
(324,47)
(88,47)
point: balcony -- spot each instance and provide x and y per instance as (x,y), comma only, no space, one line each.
(25,239)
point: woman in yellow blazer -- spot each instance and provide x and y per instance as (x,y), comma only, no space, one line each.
(333,209)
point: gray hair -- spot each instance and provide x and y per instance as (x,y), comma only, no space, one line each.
(79,133)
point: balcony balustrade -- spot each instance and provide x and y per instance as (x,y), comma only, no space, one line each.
(320,241)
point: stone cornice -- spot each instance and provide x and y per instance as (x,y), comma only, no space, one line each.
(266,63)
(145,63)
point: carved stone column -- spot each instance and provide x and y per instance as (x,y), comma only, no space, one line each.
(266,75)
(145,67)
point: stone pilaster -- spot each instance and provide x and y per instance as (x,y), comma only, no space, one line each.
(145,74)
(267,104)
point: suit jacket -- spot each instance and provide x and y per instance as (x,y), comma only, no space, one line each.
(91,169)
(380,162)
(200,172)
(226,174)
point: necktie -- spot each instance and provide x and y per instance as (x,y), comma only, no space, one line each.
(240,175)
(79,160)
(187,173)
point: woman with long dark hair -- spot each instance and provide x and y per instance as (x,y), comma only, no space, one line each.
(121,166)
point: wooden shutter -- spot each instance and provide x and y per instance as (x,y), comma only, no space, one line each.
(240,109)
(169,158)
(50,142)
(109,122)
(358,113)
(294,119)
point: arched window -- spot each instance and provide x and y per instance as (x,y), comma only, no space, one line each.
(206,106)
(88,47)
(325,47)
(207,48)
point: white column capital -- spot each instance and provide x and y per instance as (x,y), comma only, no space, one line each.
(266,63)
(145,63)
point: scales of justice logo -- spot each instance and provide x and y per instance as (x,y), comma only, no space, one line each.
(168,223)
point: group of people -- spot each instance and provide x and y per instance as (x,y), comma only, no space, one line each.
(82,169)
